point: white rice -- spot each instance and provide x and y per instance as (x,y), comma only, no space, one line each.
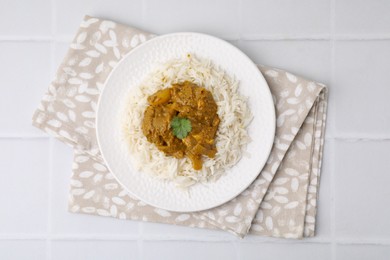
(232,136)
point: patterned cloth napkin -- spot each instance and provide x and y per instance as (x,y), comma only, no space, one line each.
(281,202)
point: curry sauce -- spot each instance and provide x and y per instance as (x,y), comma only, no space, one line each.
(189,102)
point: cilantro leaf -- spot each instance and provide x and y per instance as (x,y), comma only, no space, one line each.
(181,127)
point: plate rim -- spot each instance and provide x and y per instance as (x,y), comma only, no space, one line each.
(156,38)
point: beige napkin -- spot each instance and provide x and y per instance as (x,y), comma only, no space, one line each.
(281,202)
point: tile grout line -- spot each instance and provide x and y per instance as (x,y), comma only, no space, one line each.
(332,201)
(216,239)
(238,243)
(316,37)
(332,163)
(140,241)
(362,37)
(17,38)
(242,37)
(282,37)
(239,8)
(360,139)
(13,136)
(51,140)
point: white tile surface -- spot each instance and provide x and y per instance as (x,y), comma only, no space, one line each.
(22,249)
(358,252)
(94,250)
(65,223)
(309,59)
(360,91)
(70,13)
(216,17)
(178,250)
(362,16)
(25,76)
(352,214)
(24,174)
(275,251)
(30,18)
(362,189)
(159,231)
(284,17)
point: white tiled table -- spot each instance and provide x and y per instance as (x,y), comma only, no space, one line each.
(342,43)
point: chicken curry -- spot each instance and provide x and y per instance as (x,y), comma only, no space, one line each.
(182,121)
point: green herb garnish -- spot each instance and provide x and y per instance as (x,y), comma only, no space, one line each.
(181,127)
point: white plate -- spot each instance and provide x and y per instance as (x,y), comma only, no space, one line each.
(130,72)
